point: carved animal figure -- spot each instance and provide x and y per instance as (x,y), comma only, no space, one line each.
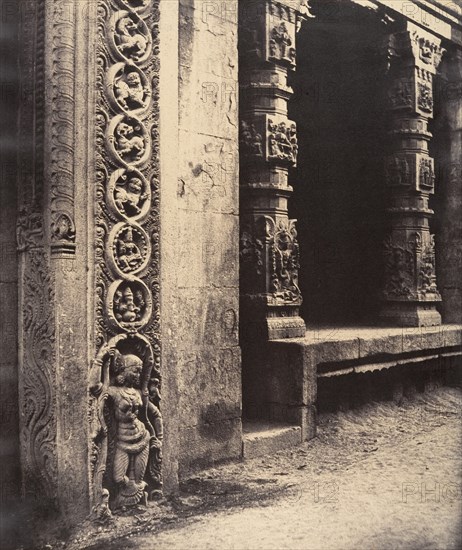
(130,197)
(131,42)
(130,92)
(127,143)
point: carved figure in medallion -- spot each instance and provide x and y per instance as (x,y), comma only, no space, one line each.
(129,142)
(130,195)
(130,92)
(125,308)
(136,4)
(130,40)
(130,251)
(129,304)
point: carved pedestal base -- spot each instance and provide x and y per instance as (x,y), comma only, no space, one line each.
(410,315)
(285,327)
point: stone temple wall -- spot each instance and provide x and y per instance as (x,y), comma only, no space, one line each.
(208,361)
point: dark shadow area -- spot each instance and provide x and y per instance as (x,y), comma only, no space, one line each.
(338,185)
(446,148)
(353,391)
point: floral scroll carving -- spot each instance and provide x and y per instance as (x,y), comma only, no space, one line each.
(126,441)
(38,399)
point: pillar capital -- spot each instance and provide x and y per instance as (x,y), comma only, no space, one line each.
(416,47)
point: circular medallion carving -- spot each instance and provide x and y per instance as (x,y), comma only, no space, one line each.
(128,139)
(129,194)
(129,37)
(136,5)
(128,88)
(129,304)
(129,248)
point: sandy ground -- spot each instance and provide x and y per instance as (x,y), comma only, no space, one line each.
(386,476)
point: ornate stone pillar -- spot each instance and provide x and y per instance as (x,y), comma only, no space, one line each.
(52,266)
(410,293)
(270,295)
(88,243)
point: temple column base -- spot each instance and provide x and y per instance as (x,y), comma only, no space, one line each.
(285,327)
(410,314)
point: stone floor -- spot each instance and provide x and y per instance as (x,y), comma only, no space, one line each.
(387,476)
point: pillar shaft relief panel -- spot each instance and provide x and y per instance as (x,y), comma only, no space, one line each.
(126,423)
(269,253)
(410,293)
(46,241)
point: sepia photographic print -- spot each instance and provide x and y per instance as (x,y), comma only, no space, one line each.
(231,275)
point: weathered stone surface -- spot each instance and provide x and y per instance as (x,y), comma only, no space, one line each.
(263,438)
(207,237)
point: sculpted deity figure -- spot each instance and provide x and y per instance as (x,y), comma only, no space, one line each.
(125,307)
(128,253)
(133,439)
(280,35)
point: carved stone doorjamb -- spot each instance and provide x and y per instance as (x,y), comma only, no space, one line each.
(410,293)
(269,253)
(52,265)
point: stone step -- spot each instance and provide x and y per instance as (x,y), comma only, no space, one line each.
(263,438)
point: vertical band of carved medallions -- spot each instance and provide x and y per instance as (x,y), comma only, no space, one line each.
(125,376)
(268,149)
(410,293)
